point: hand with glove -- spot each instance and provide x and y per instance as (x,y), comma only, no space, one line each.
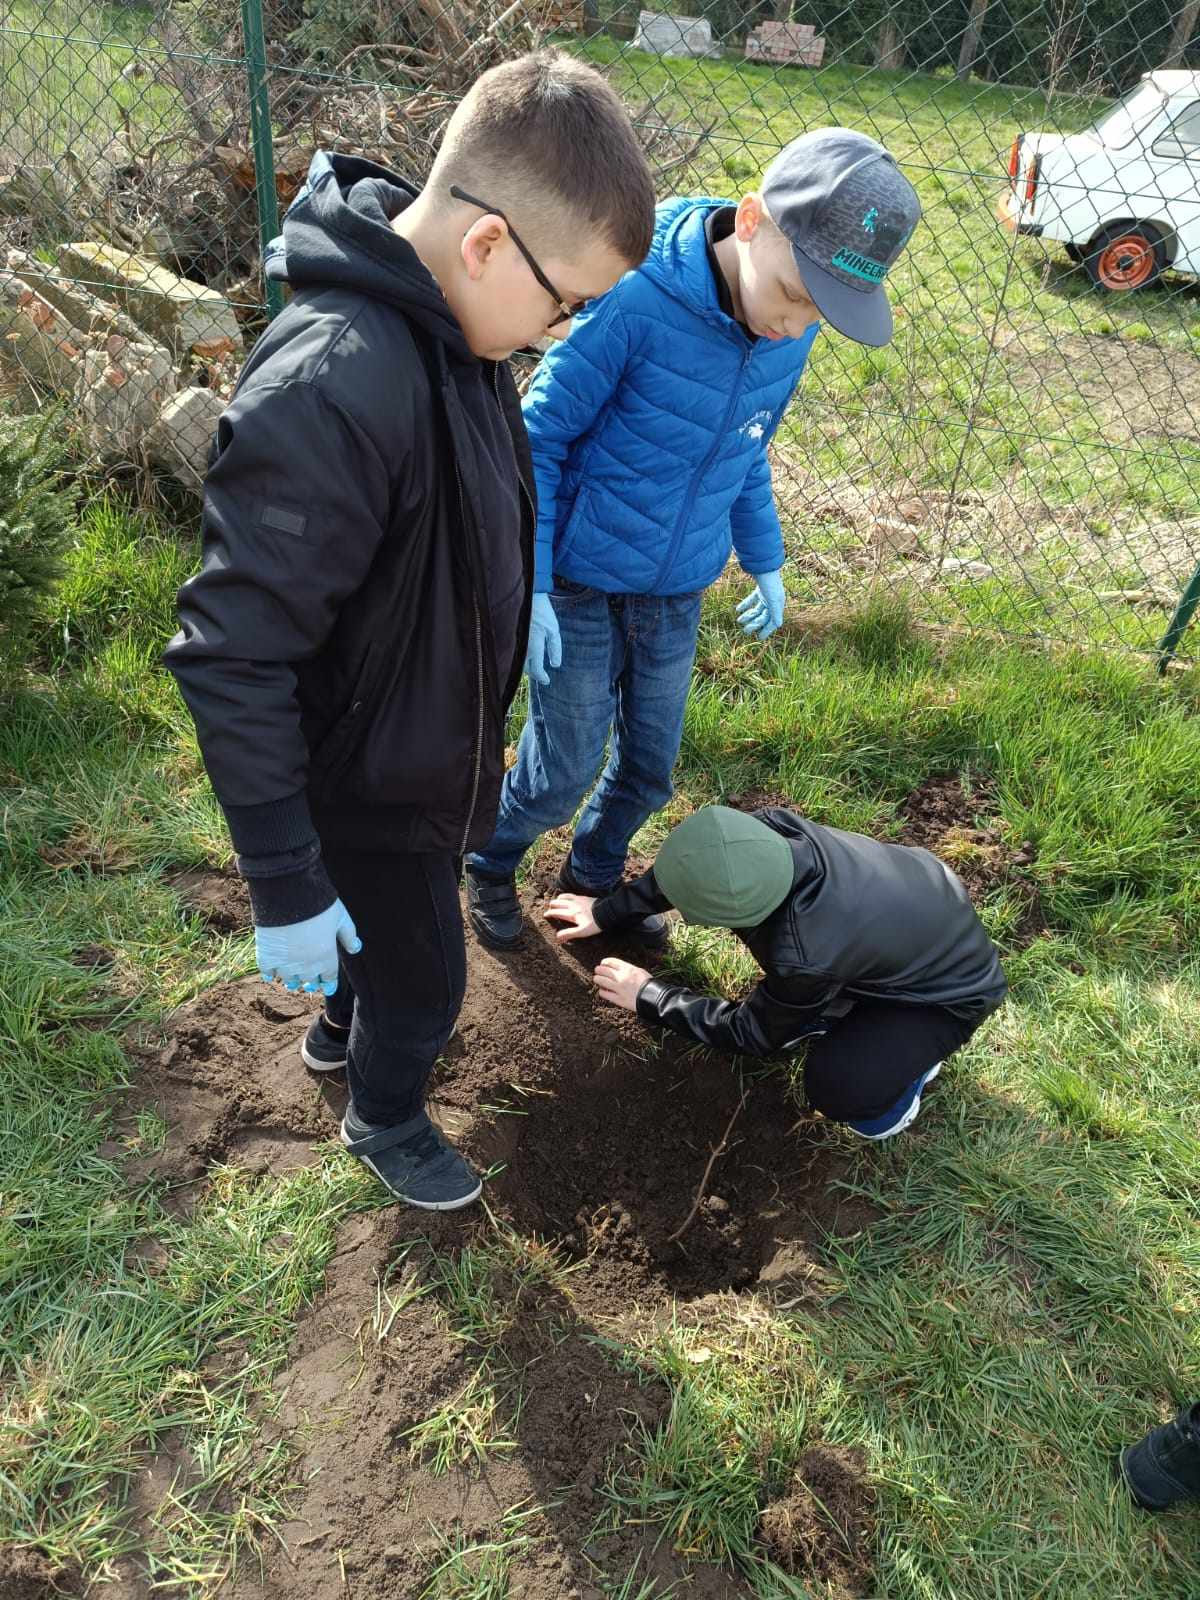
(304,955)
(761,613)
(545,640)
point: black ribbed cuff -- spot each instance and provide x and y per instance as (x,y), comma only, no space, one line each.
(289,887)
(272,827)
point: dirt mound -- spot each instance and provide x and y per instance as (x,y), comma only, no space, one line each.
(229,1084)
(218,898)
(823,1526)
(943,817)
(25,1575)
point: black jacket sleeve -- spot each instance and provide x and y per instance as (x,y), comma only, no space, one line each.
(775,1017)
(295,507)
(629,904)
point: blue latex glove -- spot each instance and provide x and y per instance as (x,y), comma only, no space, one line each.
(545,640)
(761,613)
(305,954)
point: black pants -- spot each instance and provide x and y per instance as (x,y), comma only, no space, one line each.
(866,1061)
(401,994)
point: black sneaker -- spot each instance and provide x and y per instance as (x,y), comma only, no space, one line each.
(323,1048)
(649,931)
(1163,1469)
(494,910)
(413,1161)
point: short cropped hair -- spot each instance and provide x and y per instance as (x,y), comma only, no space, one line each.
(545,135)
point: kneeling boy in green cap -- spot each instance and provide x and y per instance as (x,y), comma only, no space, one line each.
(874,961)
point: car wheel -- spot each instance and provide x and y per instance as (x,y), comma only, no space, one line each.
(1125,257)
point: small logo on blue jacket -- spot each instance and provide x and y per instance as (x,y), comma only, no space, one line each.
(756,426)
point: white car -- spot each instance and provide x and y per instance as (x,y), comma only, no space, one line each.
(1124,197)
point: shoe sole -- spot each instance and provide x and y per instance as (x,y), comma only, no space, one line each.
(421,1205)
(909,1117)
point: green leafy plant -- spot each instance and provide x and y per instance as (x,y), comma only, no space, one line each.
(36,509)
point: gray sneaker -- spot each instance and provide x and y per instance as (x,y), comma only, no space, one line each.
(413,1161)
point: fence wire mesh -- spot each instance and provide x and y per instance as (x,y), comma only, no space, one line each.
(1023,458)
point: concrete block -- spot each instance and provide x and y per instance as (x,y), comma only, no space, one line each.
(182,435)
(665,34)
(83,309)
(37,340)
(790,43)
(172,309)
(123,390)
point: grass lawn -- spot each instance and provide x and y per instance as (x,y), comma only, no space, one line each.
(1023,1298)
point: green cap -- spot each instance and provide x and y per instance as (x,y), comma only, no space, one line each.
(723,869)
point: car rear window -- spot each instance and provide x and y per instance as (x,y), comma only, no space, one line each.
(1182,138)
(1122,124)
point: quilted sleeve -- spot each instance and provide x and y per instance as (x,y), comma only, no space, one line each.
(573,384)
(753,520)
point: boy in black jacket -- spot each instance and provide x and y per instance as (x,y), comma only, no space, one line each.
(351,646)
(875,963)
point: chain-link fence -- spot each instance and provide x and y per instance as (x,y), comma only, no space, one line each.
(1023,457)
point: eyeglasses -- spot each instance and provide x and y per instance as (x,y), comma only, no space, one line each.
(566,310)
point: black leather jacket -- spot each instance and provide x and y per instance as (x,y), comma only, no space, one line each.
(863,920)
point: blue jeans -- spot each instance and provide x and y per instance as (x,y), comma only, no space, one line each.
(626,667)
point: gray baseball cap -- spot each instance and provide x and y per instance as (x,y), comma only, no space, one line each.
(848,211)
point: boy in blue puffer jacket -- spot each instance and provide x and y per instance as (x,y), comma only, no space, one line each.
(649,428)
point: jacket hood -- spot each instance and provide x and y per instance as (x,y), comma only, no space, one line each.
(678,259)
(337,233)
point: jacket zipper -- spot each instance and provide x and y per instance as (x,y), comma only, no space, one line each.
(478,763)
(532,504)
(698,475)
(479,672)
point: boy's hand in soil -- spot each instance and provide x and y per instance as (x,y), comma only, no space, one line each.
(620,982)
(576,911)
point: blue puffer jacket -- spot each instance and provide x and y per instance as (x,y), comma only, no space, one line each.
(650,426)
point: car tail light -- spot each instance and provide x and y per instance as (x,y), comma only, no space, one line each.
(1031,179)
(1014,161)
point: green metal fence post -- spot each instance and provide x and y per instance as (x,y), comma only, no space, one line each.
(260,131)
(1188,601)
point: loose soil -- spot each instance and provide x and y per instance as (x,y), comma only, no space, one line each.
(602,1133)
(597,1133)
(218,898)
(25,1575)
(964,829)
(822,1526)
